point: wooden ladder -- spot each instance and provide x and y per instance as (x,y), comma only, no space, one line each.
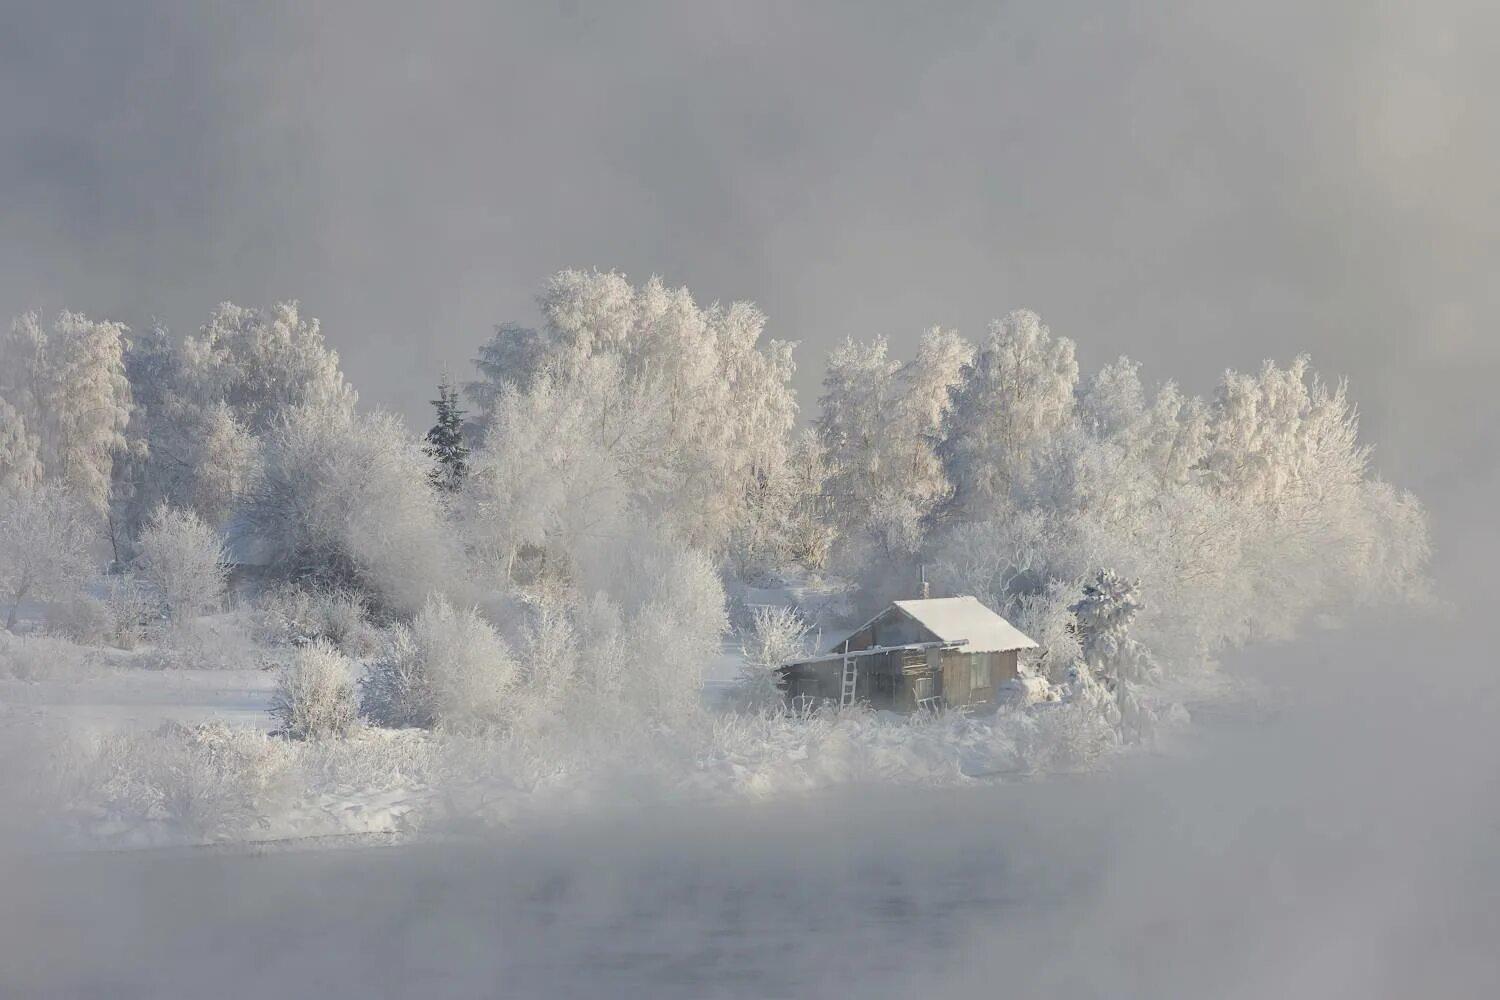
(851,681)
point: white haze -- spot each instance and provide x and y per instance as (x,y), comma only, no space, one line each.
(1337,843)
(1195,187)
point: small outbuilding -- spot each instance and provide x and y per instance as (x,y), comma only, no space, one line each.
(943,651)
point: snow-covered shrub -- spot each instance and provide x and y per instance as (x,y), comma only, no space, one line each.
(1025,691)
(292,615)
(675,618)
(775,635)
(133,610)
(342,617)
(42,657)
(450,667)
(83,619)
(314,695)
(217,781)
(184,559)
(395,692)
(206,782)
(1069,734)
(210,642)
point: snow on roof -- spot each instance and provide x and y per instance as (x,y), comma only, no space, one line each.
(952,619)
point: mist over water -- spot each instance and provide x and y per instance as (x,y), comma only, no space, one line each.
(1333,839)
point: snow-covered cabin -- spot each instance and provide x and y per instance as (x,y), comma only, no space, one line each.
(950,651)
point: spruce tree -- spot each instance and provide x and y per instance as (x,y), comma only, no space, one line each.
(445,442)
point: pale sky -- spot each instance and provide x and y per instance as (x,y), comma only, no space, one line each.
(1198,189)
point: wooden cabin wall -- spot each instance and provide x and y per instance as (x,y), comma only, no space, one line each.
(963,683)
(952,674)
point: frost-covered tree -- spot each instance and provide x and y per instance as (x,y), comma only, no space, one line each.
(557,470)
(1104,613)
(686,407)
(20,465)
(343,500)
(788,517)
(1241,518)
(881,421)
(46,537)
(68,386)
(859,394)
(184,559)
(1016,395)
(508,360)
(202,411)
(262,365)
(996,561)
(445,442)
(808,528)
(880,426)
(926,386)
(186,448)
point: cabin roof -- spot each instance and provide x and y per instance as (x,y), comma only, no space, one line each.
(953,619)
(957,619)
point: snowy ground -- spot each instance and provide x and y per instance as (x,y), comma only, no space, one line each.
(134,699)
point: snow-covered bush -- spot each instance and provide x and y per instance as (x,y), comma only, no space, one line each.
(184,559)
(133,610)
(673,618)
(198,783)
(83,618)
(774,636)
(1068,734)
(292,615)
(450,667)
(41,657)
(210,642)
(1047,617)
(395,692)
(215,781)
(315,695)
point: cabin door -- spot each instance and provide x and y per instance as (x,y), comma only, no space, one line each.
(935,664)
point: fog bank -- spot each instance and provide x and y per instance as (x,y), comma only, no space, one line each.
(1333,839)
